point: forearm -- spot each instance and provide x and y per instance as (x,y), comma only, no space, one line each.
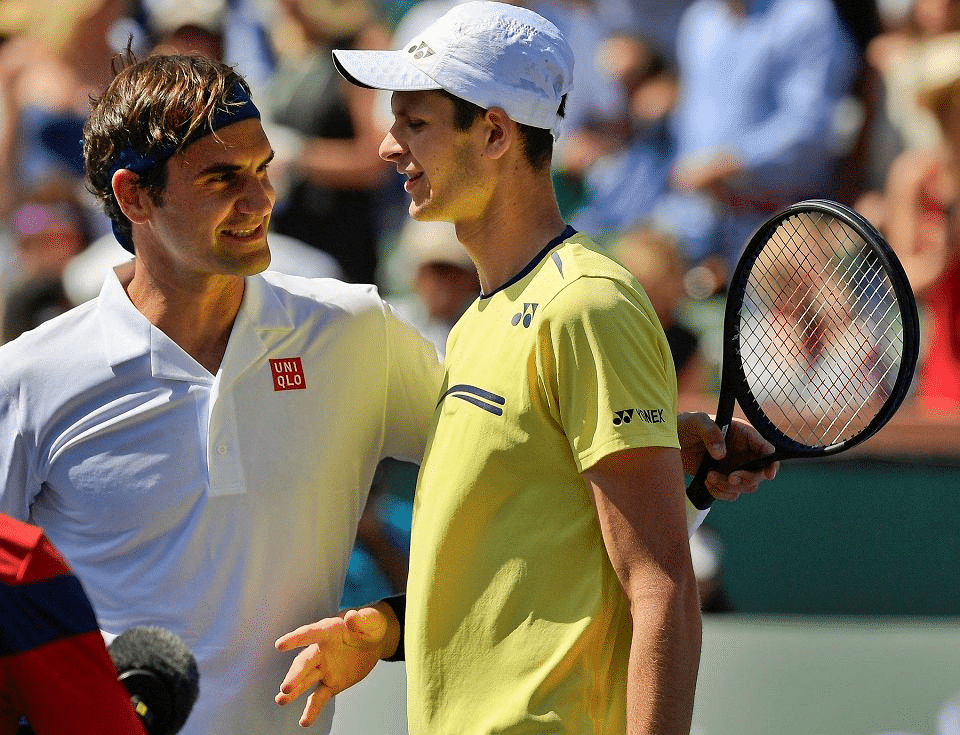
(664,661)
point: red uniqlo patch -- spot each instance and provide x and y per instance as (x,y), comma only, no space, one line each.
(288,374)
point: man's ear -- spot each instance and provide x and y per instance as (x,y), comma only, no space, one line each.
(501,132)
(133,199)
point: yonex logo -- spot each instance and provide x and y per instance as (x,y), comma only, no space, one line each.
(526,316)
(477,396)
(646,415)
(420,51)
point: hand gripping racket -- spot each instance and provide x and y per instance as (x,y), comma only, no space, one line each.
(820,335)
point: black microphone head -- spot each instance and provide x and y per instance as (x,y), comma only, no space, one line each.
(161,675)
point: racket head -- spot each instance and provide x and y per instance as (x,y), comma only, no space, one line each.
(821,332)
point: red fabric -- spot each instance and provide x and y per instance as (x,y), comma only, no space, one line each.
(66,685)
(26,555)
(939,383)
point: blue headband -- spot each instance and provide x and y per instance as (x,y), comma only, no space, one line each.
(238,106)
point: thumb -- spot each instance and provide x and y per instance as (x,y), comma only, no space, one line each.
(366,625)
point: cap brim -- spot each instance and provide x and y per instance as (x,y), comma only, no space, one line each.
(390,70)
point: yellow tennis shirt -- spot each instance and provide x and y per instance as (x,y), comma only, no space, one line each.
(516,622)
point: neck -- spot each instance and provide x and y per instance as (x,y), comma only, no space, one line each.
(198,318)
(504,240)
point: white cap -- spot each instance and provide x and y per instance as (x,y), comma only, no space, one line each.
(488,53)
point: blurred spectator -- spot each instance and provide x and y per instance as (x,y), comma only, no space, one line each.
(337,176)
(31,303)
(379,560)
(46,231)
(653,257)
(898,57)
(634,153)
(923,224)
(655,20)
(52,59)
(442,277)
(234,31)
(186,26)
(761,82)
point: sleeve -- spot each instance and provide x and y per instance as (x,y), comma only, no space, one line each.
(607,371)
(413,387)
(399,605)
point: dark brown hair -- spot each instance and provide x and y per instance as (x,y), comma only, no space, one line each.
(154,107)
(537,143)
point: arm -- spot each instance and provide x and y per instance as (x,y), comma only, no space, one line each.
(337,653)
(353,163)
(640,503)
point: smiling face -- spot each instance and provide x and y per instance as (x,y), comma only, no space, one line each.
(443,165)
(213,215)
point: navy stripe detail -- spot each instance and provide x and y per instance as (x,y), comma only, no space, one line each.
(37,613)
(477,402)
(567,233)
(477,396)
(463,388)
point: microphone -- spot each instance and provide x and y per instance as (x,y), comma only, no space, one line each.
(161,675)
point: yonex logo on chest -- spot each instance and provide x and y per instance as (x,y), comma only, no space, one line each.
(526,316)
(288,374)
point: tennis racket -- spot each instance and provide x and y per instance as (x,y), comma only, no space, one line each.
(820,335)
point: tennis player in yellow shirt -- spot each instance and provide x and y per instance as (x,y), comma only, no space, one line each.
(550,588)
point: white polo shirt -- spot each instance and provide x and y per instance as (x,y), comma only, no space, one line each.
(223,508)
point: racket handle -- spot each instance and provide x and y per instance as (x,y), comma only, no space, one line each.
(697,491)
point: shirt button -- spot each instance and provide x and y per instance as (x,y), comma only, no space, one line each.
(222,449)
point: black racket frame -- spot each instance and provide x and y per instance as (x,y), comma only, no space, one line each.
(734,388)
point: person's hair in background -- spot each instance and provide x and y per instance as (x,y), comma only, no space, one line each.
(441,279)
(653,256)
(186,26)
(46,230)
(151,111)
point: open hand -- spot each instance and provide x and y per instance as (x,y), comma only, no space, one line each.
(337,653)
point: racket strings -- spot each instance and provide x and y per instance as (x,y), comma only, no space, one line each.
(820,331)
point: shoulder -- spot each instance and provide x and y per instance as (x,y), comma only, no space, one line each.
(75,333)
(325,290)
(315,305)
(307,298)
(590,282)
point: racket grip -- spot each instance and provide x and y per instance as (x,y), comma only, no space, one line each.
(697,491)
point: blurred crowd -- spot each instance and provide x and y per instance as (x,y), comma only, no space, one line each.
(691,121)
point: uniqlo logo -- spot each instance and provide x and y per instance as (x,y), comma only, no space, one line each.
(288,374)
